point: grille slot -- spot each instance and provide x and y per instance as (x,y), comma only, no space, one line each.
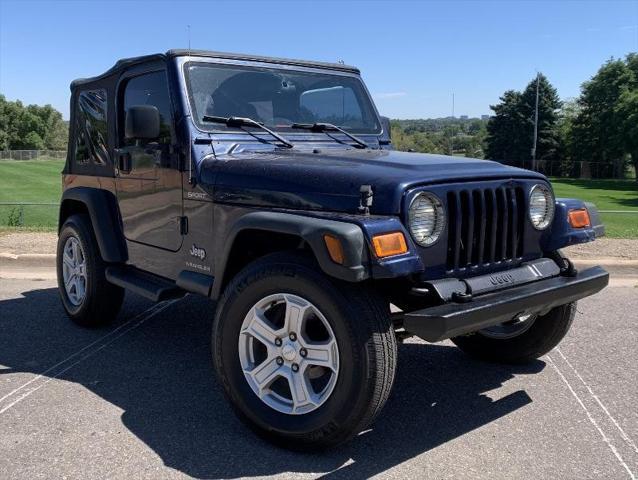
(485,226)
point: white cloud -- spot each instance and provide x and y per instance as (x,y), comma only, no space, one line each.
(383,96)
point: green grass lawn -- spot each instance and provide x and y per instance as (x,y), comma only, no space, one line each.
(37,181)
(607,195)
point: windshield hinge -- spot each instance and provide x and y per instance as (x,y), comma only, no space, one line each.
(365,199)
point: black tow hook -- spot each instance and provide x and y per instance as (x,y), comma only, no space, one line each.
(568,269)
(566,266)
(461,297)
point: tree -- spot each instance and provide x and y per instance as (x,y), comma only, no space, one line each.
(415,141)
(627,112)
(503,141)
(565,128)
(32,141)
(598,133)
(31,127)
(10,113)
(510,132)
(548,104)
(449,136)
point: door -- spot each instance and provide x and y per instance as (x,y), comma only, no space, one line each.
(148,182)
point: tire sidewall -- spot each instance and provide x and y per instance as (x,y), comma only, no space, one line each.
(349,393)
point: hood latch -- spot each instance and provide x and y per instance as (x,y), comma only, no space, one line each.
(365,199)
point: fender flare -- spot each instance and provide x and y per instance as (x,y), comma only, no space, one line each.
(355,267)
(103,211)
(561,234)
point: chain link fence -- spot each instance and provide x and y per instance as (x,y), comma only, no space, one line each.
(551,168)
(32,154)
(578,170)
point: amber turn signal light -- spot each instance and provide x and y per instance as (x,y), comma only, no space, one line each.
(389,244)
(335,249)
(579,218)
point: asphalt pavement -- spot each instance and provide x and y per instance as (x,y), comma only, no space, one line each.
(138,400)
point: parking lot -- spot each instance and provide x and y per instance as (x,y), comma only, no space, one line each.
(138,400)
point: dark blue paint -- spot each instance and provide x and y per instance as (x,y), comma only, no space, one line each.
(321,177)
(330,180)
(561,234)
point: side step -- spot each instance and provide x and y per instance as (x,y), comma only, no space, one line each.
(145,284)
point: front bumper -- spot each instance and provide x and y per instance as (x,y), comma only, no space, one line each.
(452,319)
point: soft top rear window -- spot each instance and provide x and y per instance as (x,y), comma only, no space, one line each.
(91,134)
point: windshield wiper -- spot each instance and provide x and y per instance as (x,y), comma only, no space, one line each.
(244,122)
(325,127)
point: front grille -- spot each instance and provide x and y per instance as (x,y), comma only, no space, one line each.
(485,226)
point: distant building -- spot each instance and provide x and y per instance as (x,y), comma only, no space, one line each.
(485,117)
(464,117)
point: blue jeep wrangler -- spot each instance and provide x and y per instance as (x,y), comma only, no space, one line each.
(270,186)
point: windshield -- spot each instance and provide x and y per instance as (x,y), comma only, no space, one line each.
(278,97)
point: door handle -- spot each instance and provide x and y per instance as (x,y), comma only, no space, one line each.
(124,163)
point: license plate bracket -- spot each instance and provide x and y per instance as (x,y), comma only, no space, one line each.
(526,273)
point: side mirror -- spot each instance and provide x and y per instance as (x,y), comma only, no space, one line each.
(142,122)
(387,129)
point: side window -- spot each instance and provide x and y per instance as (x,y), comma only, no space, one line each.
(337,105)
(149,89)
(90,128)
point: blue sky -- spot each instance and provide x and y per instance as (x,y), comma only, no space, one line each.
(413,55)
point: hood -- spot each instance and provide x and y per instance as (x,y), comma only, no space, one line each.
(331,180)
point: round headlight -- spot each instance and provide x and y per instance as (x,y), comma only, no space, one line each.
(426,218)
(541,206)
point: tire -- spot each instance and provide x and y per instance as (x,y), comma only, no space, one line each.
(543,335)
(366,353)
(102,300)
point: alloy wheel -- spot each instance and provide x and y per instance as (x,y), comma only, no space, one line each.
(74,271)
(288,353)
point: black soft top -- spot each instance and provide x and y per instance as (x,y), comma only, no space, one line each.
(127,62)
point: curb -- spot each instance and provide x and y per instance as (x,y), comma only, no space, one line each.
(612,261)
(615,266)
(40,260)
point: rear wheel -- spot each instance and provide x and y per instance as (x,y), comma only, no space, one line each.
(520,340)
(306,361)
(88,298)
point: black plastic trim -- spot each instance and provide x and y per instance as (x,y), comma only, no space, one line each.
(125,63)
(452,319)
(258,58)
(594,218)
(355,266)
(102,207)
(143,283)
(195,282)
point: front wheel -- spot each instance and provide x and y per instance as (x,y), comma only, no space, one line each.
(306,361)
(520,340)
